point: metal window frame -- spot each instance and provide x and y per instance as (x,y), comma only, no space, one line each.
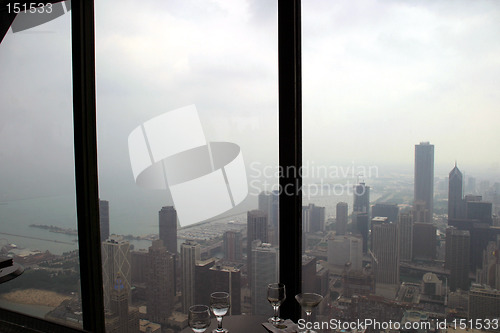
(290,152)
(85,145)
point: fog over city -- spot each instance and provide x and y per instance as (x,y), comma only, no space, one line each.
(378,78)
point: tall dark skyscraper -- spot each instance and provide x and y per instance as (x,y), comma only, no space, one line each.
(256,230)
(361,199)
(168,228)
(160,282)
(341,218)
(104,219)
(361,223)
(455,194)
(424,176)
(424,241)
(457,258)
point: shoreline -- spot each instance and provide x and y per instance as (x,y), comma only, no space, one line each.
(35,297)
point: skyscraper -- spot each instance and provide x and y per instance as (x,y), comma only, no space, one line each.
(386,210)
(361,225)
(314,217)
(341,218)
(455,194)
(115,261)
(160,283)
(256,230)
(190,254)
(168,228)
(264,271)
(457,258)
(227,278)
(405,229)
(122,319)
(104,219)
(385,253)
(232,245)
(361,198)
(424,176)
(424,241)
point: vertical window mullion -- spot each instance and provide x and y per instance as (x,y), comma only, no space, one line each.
(290,153)
(85,140)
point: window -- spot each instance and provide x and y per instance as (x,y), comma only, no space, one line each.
(86,163)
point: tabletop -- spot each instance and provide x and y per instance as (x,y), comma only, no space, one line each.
(238,324)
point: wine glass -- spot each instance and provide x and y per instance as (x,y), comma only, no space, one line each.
(276,295)
(219,303)
(199,318)
(308,301)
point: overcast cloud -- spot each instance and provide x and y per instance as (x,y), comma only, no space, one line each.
(378,78)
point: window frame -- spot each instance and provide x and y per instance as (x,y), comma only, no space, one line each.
(86,168)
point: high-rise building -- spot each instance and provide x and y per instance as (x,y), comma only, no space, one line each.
(264,271)
(122,319)
(386,253)
(190,254)
(484,303)
(308,274)
(115,261)
(168,228)
(202,284)
(232,245)
(269,204)
(420,212)
(227,278)
(160,283)
(361,199)
(257,229)
(345,249)
(471,185)
(424,176)
(405,229)
(388,210)
(455,194)
(424,241)
(341,218)
(313,218)
(457,258)
(480,211)
(139,266)
(361,221)
(104,219)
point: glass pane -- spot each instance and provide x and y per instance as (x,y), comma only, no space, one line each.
(37,200)
(403,98)
(187,120)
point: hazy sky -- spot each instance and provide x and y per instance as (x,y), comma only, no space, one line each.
(378,78)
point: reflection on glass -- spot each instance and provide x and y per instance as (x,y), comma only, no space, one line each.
(37,196)
(187,140)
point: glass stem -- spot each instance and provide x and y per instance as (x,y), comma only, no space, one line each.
(275,307)
(219,324)
(308,314)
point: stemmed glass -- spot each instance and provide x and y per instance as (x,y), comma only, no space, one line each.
(199,318)
(308,301)
(219,304)
(276,295)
